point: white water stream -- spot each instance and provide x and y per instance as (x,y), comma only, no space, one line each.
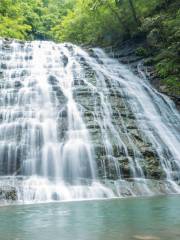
(46,149)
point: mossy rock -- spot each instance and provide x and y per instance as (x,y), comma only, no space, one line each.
(142,52)
(8,194)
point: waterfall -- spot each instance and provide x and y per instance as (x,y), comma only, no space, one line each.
(78,125)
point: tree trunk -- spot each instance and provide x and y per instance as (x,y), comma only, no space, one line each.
(134,12)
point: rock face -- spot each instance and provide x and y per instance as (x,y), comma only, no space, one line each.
(137,57)
(100,120)
(126,150)
(8,193)
(119,160)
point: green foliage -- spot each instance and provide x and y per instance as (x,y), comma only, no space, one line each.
(84,24)
(100,21)
(13,28)
(31,19)
(172,84)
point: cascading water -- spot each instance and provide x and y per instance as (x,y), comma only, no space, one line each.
(48,158)
(69,118)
